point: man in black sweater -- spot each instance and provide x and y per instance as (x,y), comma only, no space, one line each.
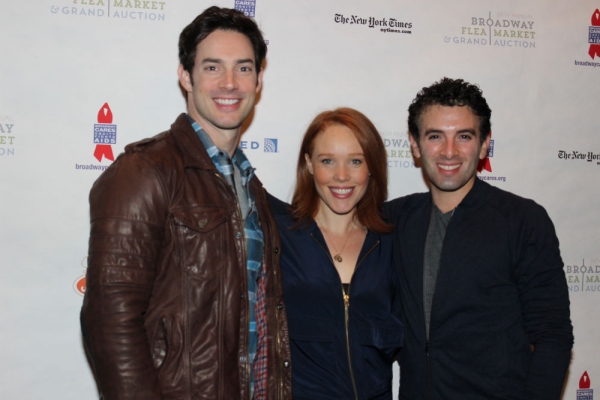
(484,294)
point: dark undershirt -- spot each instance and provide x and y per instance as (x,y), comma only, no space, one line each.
(431,259)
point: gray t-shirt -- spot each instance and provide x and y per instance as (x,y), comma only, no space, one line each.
(431,259)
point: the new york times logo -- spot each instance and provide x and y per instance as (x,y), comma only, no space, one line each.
(588,156)
(390,25)
(584,277)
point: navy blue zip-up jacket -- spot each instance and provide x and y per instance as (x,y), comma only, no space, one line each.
(500,324)
(315,308)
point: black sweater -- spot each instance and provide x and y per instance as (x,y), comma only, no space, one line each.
(500,323)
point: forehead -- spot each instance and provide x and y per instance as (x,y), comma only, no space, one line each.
(448,117)
(458,114)
(225,45)
(335,137)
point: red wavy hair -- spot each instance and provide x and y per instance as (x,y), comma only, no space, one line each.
(305,202)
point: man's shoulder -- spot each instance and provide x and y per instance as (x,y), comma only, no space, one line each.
(164,148)
(155,143)
(405,204)
(510,203)
(516,211)
(157,156)
(158,142)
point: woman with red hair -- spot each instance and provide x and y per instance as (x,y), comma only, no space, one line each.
(340,286)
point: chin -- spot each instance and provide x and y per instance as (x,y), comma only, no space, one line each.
(343,211)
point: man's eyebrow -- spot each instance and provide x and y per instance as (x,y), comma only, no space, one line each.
(220,61)
(466,130)
(212,60)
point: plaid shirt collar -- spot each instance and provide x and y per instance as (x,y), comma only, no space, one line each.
(221,159)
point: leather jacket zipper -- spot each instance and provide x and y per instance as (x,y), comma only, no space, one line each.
(244,263)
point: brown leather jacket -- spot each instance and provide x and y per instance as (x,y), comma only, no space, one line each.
(165,313)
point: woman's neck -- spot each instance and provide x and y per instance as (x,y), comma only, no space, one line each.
(336,224)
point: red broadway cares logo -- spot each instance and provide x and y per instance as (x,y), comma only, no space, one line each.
(594,35)
(104,117)
(485,163)
(584,381)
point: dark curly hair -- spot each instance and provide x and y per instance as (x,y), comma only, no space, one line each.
(450,92)
(226,19)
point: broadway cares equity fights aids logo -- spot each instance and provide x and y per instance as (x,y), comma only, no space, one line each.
(105,135)
(584,392)
(594,42)
(138,10)
(248,7)
(486,165)
(498,29)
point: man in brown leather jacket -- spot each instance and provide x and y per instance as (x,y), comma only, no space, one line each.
(184,297)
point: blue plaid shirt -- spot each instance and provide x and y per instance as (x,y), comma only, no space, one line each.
(252,231)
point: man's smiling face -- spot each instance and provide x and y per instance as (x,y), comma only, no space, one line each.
(450,148)
(224,83)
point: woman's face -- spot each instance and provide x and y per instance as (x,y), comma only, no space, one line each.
(339,169)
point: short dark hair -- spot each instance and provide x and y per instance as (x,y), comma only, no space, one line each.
(450,92)
(216,18)
(305,202)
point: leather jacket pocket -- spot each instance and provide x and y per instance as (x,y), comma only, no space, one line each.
(202,239)
(160,346)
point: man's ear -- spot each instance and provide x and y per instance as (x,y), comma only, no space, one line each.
(484,148)
(184,78)
(414,145)
(259,79)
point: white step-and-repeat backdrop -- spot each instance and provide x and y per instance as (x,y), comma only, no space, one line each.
(61,61)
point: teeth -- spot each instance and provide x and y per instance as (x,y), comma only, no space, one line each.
(227,102)
(341,191)
(448,167)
